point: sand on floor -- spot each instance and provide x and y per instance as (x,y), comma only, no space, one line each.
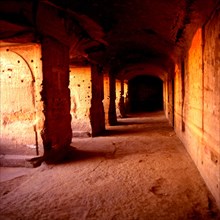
(138,170)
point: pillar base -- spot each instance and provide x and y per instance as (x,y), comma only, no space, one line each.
(58,155)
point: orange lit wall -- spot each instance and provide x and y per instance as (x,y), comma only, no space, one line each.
(189,110)
(126,94)
(168,96)
(118,94)
(197,103)
(210,153)
(80,87)
(106,97)
(20,100)
(165,97)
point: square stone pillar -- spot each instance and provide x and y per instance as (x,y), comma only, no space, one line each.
(97,114)
(56,133)
(112,108)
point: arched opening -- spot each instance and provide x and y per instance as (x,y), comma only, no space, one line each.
(145,94)
(21,106)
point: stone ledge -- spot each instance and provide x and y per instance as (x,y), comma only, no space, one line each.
(20,161)
(81,134)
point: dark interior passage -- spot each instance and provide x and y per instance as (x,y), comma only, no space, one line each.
(145,94)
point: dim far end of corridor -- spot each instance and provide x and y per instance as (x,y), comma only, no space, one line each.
(109,110)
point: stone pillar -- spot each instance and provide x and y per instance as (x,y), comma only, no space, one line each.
(112,108)
(56,133)
(97,114)
(121,101)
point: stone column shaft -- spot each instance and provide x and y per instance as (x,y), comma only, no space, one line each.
(57,133)
(112,108)
(97,114)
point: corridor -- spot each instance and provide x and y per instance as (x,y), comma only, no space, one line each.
(138,169)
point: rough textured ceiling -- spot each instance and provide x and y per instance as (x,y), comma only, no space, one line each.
(116,33)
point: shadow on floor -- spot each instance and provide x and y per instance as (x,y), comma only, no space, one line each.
(79,155)
(151,128)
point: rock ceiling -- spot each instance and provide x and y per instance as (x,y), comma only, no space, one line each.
(117,34)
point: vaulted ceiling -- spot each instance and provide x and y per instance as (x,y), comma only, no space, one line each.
(118,34)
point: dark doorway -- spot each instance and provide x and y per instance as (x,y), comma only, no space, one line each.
(145,94)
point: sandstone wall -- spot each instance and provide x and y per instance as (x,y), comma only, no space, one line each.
(106,100)
(20,100)
(168,99)
(165,97)
(125,98)
(126,95)
(81,94)
(197,102)
(118,95)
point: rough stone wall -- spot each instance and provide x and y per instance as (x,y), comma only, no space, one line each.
(106,100)
(190,110)
(210,155)
(126,95)
(81,94)
(122,100)
(118,95)
(20,100)
(167,99)
(197,103)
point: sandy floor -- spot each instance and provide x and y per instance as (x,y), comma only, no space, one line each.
(139,170)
